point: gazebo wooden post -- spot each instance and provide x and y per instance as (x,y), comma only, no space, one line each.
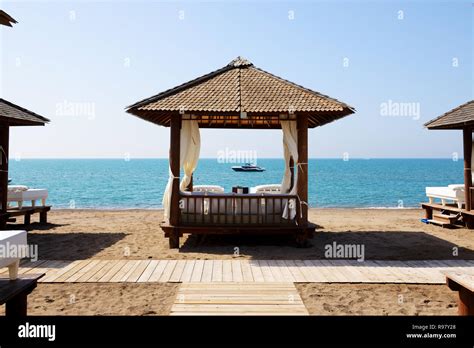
(175,140)
(302,189)
(190,185)
(4,139)
(467,145)
(292,172)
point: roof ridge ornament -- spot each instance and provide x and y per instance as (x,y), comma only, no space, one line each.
(240,62)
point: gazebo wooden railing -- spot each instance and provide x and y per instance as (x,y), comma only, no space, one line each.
(237,209)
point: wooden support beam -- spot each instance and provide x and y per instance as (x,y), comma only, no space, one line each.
(190,185)
(175,142)
(4,140)
(302,125)
(292,172)
(467,146)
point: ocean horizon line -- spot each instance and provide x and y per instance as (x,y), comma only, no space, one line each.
(215,158)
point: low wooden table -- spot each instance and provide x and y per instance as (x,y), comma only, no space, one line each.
(464,284)
(14,294)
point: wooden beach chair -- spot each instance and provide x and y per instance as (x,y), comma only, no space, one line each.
(464,285)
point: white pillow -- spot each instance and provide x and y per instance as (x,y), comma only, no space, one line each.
(17,188)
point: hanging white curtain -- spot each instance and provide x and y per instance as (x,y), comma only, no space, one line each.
(189,134)
(190,146)
(290,149)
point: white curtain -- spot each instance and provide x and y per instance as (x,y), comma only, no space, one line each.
(190,153)
(190,146)
(290,149)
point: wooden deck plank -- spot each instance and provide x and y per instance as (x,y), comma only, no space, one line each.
(287,275)
(304,270)
(246,271)
(267,273)
(120,276)
(112,271)
(86,274)
(26,267)
(168,271)
(135,264)
(207,271)
(197,271)
(158,271)
(353,268)
(240,298)
(318,271)
(226,271)
(217,271)
(187,271)
(138,271)
(295,271)
(101,272)
(257,274)
(177,271)
(66,272)
(237,275)
(148,271)
(82,271)
(275,270)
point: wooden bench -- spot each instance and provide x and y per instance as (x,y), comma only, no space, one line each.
(14,294)
(464,284)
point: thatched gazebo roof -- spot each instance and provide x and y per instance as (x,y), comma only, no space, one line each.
(15,115)
(457,118)
(6,19)
(240,95)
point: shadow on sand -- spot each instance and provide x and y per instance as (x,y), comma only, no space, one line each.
(393,245)
(72,246)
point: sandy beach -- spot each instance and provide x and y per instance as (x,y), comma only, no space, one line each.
(134,234)
(387,234)
(377,299)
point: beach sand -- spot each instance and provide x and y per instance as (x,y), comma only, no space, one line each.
(378,299)
(387,234)
(101,299)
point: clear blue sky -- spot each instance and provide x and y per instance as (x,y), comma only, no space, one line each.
(108,55)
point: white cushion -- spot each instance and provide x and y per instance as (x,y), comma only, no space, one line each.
(208,188)
(445,193)
(28,195)
(270,188)
(456,187)
(17,188)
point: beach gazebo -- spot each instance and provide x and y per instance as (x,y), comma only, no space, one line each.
(12,115)
(6,19)
(238,96)
(459,118)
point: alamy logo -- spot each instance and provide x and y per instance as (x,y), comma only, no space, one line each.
(345,251)
(21,251)
(400,109)
(37,331)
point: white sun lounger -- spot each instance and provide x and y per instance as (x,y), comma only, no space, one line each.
(31,195)
(453,193)
(9,239)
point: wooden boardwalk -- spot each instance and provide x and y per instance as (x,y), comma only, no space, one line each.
(243,298)
(248,271)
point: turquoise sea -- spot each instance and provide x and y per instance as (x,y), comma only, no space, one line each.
(139,183)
